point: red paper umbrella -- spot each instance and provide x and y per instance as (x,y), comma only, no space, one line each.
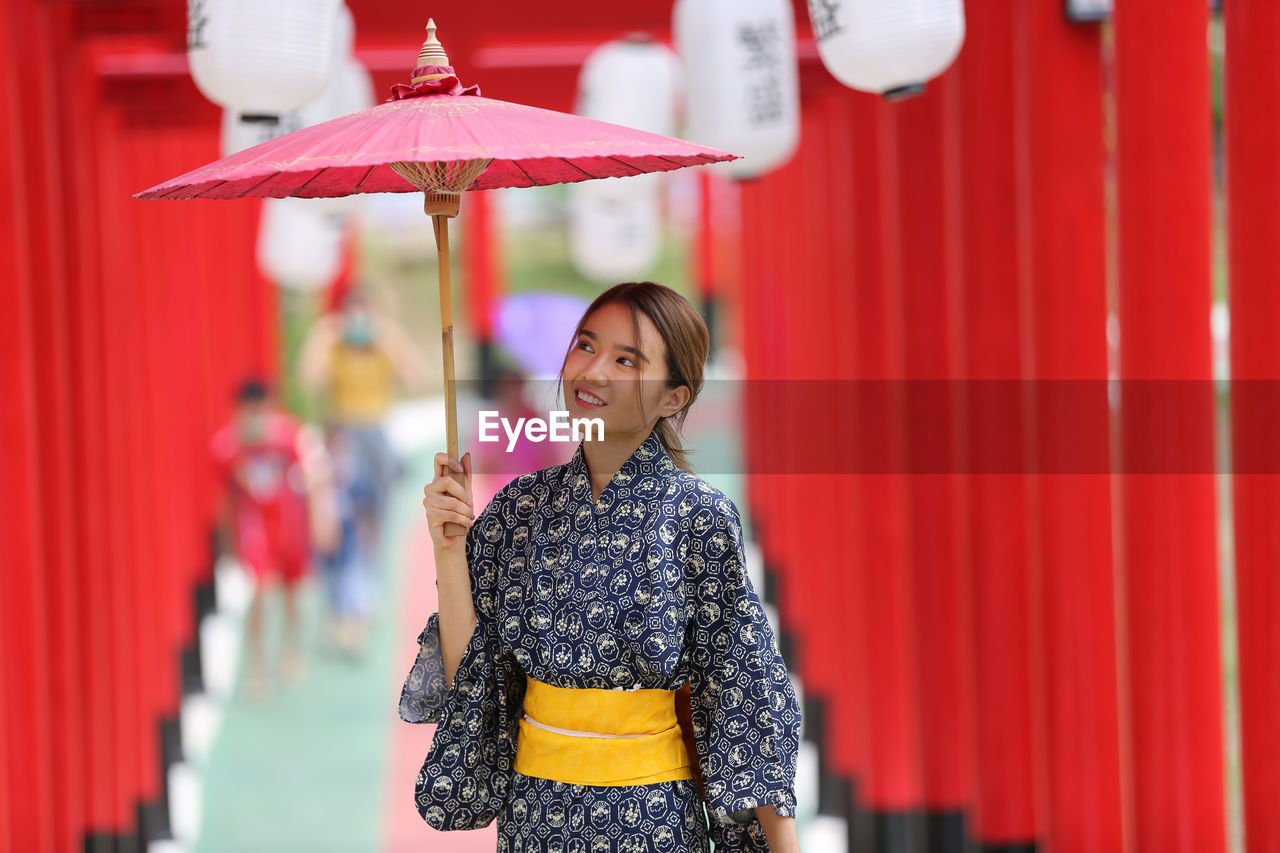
(440,138)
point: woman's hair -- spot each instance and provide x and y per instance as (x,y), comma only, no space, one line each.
(687,341)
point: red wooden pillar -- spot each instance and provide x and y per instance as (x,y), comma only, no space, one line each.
(152,257)
(483,275)
(1004,800)
(703,267)
(808,287)
(762,199)
(171,412)
(40,198)
(894,774)
(1172,682)
(782,323)
(24,677)
(127,340)
(1063,246)
(93,530)
(191,387)
(928,197)
(752,232)
(482,247)
(7,835)
(814,395)
(1253,173)
(115,320)
(133,288)
(848,741)
(24,671)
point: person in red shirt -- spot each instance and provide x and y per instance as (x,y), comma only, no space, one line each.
(264,518)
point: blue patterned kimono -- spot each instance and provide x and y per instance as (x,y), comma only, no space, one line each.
(644,587)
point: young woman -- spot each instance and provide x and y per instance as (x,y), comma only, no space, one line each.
(578,608)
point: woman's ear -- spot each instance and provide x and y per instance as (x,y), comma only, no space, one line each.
(675,400)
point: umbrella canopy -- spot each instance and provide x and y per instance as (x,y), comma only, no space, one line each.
(528,146)
(440,138)
(436,120)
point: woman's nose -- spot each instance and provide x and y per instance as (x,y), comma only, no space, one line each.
(595,370)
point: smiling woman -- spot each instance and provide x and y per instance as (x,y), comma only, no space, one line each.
(601,667)
(641,349)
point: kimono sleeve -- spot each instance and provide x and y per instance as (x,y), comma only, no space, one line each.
(464,780)
(745,713)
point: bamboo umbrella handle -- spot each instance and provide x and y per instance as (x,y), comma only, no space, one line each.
(441,227)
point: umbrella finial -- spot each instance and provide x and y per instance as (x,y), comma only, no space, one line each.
(432,52)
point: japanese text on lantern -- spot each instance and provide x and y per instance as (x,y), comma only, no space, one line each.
(823,14)
(197,19)
(761,43)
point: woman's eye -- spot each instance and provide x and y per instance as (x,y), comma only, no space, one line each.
(624,360)
(584,345)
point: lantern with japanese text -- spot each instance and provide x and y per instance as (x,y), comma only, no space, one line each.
(262,59)
(741,81)
(244,130)
(890,47)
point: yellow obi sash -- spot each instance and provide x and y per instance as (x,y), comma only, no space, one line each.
(616,737)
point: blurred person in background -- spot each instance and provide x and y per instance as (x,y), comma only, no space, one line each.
(347,572)
(264,519)
(358,360)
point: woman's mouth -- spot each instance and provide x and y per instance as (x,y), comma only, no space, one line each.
(587,399)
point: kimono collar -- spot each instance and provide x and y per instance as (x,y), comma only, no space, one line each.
(650,459)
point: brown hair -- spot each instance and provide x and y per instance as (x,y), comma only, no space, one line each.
(687,341)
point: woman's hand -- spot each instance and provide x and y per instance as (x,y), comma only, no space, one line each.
(446,499)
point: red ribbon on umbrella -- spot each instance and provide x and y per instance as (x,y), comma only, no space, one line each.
(449,85)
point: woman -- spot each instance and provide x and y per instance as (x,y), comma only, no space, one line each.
(578,604)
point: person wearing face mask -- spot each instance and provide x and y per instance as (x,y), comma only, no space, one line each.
(263,519)
(600,669)
(357,360)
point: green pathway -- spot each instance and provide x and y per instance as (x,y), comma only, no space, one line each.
(306,770)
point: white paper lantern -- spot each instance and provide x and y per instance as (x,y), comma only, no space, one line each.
(615,224)
(741,83)
(349,90)
(615,227)
(298,246)
(262,57)
(344,35)
(887,46)
(631,82)
(239,132)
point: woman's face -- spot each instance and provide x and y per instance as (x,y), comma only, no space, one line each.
(610,375)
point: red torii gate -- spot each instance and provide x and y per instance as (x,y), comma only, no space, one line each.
(125,325)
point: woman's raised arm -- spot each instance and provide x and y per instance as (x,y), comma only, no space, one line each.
(446,500)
